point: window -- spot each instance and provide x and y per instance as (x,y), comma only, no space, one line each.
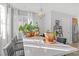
(2,22)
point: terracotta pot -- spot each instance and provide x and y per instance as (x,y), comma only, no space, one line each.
(32,33)
(28,34)
(49,37)
(36,33)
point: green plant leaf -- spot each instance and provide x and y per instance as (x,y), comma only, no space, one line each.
(28,27)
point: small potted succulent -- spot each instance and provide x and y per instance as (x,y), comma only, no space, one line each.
(28,29)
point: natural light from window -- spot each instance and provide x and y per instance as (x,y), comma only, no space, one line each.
(2,21)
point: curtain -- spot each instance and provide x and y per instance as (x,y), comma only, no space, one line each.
(6,25)
(2,26)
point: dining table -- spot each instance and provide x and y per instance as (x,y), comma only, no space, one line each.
(35,46)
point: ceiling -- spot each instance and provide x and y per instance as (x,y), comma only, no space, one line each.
(68,8)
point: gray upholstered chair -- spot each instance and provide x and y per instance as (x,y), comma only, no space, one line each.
(14,48)
(18,46)
(8,50)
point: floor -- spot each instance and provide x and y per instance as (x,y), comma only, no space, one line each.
(74,53)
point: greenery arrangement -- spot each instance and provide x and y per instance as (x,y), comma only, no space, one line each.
(28,27)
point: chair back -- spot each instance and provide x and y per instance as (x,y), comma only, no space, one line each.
(8,50)
(18,46)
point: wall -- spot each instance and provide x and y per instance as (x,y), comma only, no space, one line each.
(68,8)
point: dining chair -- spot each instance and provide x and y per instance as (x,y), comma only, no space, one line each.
(18,46)
(8,50)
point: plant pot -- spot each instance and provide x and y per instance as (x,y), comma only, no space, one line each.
(36,33)
(49,37)
(28,34)
(32,33)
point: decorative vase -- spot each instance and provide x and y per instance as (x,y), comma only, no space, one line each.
(49,37)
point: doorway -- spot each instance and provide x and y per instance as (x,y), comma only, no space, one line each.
(75,38)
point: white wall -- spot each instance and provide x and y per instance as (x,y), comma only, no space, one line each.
(69,8)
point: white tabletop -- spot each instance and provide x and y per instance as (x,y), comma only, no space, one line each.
(36,47)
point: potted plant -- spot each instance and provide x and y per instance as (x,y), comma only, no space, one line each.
(28,29)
